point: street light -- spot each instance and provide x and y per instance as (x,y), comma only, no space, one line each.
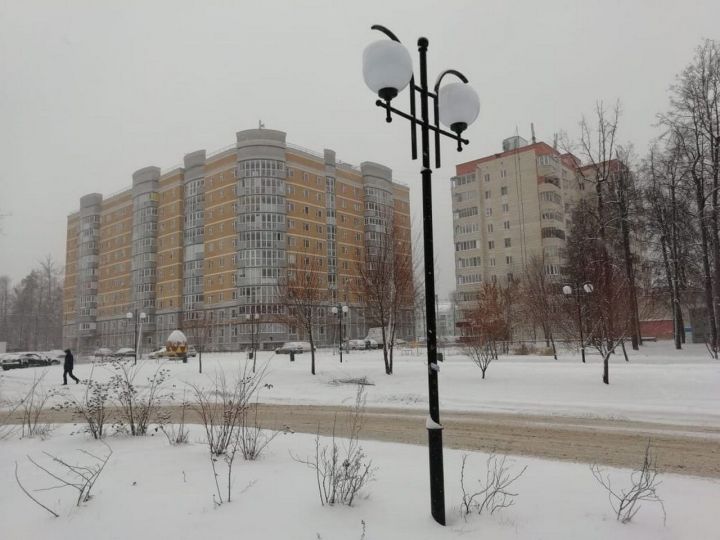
(253,325)
(568,292)
(387,69)
(341,312)
(138,338)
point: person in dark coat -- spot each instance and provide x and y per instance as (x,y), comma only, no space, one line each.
(69,363)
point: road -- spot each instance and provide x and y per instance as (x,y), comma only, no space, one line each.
(690,450)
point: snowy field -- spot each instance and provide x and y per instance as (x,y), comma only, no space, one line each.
(153,490)
(659,384)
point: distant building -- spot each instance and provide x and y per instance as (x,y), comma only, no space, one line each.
(214,235)
(510,207)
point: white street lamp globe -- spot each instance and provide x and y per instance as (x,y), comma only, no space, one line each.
(387,68)
(459,106)
(567,290)
(334,310)
(128,315)
(143,315)
(345,309)
(588,288)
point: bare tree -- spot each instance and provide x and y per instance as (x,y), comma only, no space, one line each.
(386,284)
(485,324)
(198,327)
(538,300)
(693,124)
(302,291)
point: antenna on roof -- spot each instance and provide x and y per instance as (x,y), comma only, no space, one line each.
(260,124)
(532,130)
(555,139)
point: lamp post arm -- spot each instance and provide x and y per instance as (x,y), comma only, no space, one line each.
(386,31)
(421,123)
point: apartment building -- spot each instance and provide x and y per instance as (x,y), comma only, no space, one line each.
(510,209)
(210,239)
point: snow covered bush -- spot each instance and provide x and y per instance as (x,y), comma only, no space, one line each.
(138,405)
(32,408)
(493,493)
(223,411)
(93,406)
(341,471)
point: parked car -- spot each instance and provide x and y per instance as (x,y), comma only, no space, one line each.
(56,356)
(103,353)
(371,343)
(160,353)
(293,346)
(12,361)
(124,352)
(191,351)
(355,345)
(24,360)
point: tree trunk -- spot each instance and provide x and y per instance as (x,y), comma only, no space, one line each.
(606,366)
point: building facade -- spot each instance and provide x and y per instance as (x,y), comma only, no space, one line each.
(210,241)
(512,209)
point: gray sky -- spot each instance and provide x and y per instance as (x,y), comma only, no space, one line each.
(92,91)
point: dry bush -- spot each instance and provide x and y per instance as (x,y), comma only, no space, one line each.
(92,408)
(494,492)
(222,411)
(81,477)
(643,488)
(138,405)
(32,408)
(253,438)
(342,471)
(175,433)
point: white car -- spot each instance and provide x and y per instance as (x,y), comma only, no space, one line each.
(296,347)
(355,345)
(160,353)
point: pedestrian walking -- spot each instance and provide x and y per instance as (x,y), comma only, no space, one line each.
(69,363)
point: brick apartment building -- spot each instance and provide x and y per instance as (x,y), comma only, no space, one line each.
(215,235)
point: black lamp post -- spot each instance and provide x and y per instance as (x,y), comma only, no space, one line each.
(387,69)
(253,318)
(569,291)
(134,315)
(340,311)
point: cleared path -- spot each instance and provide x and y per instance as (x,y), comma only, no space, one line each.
(690,450)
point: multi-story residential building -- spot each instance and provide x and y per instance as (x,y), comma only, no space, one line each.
(212,238)
(510,209)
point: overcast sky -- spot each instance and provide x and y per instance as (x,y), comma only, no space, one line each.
(90,93)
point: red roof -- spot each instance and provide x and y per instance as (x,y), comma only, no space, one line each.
(540,148)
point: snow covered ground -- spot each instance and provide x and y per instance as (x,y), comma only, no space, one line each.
(659,384)
(153,490)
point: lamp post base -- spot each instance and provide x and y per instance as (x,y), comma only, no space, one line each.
(437,478)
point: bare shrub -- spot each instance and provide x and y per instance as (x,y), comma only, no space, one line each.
(32,407)
(222,411)
(253,438)
(138,405)
(92,408)
(7,416)
(643,488)
(176,433)
(81,477)
(494,492)
(342,471)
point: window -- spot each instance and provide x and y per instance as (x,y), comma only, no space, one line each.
(492,261)
(488,212)
(508,260)
(506,225)
(505,208)
(503,173)
(490,227)
(488,194)
(487,177)
(503,190)
(508,242)
(491,244)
